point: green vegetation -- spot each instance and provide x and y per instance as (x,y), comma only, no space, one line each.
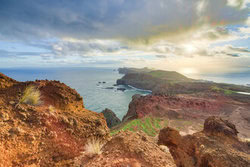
(168,75)
(222,90)
(149,125)
(31,95)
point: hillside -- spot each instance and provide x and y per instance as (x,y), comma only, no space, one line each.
(133,70)
(168,76)
(48,132)
(171,83)
(153,80)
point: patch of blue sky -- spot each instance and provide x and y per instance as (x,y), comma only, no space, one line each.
(237,43)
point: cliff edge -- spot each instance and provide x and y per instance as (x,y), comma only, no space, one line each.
(44,123)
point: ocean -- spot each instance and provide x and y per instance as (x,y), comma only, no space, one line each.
(240,78)
(95,95)
(86,81)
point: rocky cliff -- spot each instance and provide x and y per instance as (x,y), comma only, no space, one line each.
(188,112)
(172,83)
(156,81)
(51,133)
(216,146)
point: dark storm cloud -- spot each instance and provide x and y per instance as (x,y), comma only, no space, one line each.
(45,18)
(25,19)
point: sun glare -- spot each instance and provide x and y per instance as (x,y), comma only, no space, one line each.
(190,48)
(188,71)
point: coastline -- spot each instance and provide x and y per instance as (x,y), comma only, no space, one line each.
(138,89)
(244,93)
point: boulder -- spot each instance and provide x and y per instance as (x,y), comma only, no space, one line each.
(121,89)
(216,146)
(215,125)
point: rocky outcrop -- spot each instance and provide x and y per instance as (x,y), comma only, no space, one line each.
(139,80)
(6,81)
(217,126)
(172,107)
(216,146)
(131,149)
(173,83)
(187,111)
(157,81)
(111,119)
(52,133)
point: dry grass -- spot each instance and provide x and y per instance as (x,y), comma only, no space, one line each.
(31,95)
(93,147)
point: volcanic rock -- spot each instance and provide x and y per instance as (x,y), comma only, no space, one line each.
(216,146)
(121,89)
(6,81)
(131,149)
(111,119)
(215,125)
(193,109)
(50,134)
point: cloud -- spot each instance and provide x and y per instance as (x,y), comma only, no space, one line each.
(19,55)
(229,50)
(238,3)
(166,34)
(86,48)
(245,30)
(140,20)
(238,49)
(161,56)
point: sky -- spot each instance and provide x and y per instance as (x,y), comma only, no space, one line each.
(188,36)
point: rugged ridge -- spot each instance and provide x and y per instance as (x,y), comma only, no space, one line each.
(172,83)
(190,109)
(6,81)
(50,134)
(216,146)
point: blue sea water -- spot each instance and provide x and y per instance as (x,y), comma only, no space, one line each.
(85,81)
(240,78)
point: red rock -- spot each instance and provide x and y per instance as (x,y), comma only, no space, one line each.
(43,135)
(209,147)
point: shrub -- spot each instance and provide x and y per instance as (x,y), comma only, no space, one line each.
(93,147)
(31,95)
